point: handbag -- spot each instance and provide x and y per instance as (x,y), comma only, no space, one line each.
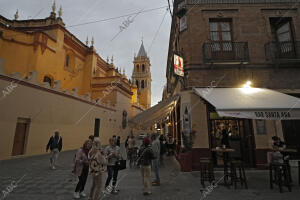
(121,164)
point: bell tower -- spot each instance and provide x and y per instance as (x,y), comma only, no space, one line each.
(141,76)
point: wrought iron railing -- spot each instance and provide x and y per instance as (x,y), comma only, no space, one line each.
(225,52)
(239,1)
(282,51)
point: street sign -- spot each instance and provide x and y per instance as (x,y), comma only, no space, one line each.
(178,65)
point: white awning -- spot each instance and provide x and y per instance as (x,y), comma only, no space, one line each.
(154,114)
(251,103)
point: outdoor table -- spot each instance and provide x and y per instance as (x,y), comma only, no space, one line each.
(226,159)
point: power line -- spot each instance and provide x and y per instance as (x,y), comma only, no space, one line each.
(112,18)
(170,8)
(101,20)
(157,31)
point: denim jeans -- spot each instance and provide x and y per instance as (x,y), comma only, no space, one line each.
(155,167)
(112,172)
(53,157)
(82,178)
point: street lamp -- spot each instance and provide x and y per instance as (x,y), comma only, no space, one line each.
(247,89)
(247,84)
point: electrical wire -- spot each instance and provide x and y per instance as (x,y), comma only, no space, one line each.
(101,20)
(113,18)
(170,8)
(157,31)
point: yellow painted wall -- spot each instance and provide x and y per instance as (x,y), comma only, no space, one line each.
(272,128)
(23,58)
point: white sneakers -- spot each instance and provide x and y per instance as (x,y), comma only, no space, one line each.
(82,194)
(76,195)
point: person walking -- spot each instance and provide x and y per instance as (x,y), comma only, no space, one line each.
(81,168)
(155,162)
(170,145)
(126,143)
(97,160)
(112,152)
(131,155)
(145,157)
(163,148)
(118,141)
(55,145)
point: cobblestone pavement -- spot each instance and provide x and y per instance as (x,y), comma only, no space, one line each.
(40,183)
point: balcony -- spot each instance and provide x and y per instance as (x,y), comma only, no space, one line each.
(193,2)
(283,52)
(225,53)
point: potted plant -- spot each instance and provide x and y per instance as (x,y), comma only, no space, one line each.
(185,157)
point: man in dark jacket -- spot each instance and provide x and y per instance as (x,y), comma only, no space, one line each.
(146,156)
(55,145)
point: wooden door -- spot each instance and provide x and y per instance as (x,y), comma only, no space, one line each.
(19,140)
(248,143)
(291,134)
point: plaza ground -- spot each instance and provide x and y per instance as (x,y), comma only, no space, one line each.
(41,183)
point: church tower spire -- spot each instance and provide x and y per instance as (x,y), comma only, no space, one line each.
(141,76)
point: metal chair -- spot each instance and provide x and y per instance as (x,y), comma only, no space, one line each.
(279,175)
(206,170)
(238,165)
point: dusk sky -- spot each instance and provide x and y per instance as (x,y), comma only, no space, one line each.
(107,40)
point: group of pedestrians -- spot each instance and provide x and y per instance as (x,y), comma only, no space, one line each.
(91,160)
(148,159)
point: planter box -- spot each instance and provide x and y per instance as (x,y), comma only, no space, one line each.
(185,160)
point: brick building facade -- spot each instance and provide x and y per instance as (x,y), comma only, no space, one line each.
(224,44)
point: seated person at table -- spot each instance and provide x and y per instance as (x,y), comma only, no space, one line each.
(277,156)
(277,142)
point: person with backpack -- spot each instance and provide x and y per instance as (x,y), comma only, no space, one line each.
(55,145)
(146,155)
(81,168)
(97,160)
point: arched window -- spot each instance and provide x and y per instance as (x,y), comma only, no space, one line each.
(67,61)
(143,68)
(142,84)
(137,83)
(47,79)
(138,68)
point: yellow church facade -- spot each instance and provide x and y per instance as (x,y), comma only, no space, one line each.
(60,83)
